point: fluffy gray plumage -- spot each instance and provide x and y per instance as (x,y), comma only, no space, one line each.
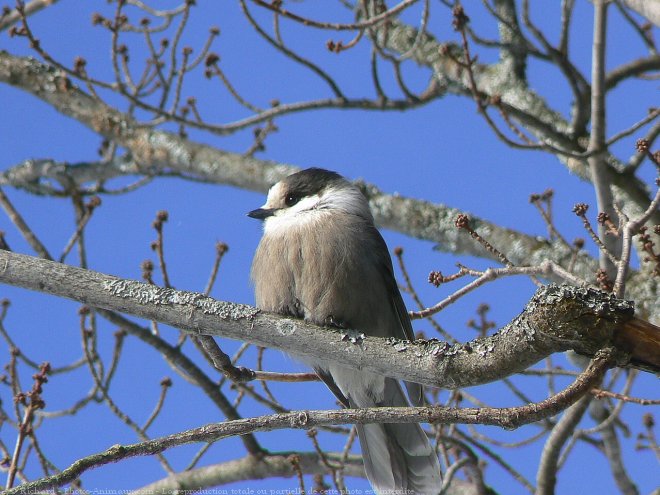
(322,259)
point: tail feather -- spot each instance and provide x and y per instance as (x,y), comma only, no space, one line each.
(398,457)
(385,469)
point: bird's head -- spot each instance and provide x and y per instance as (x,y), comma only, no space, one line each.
(307,195)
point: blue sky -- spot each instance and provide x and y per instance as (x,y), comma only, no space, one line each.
(442,152)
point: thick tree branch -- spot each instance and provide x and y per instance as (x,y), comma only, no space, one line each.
(416,218)
(515,52)
(598,167)
(155,152)
(556,319)
(250,467)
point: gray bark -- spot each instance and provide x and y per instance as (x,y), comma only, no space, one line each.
(556,319)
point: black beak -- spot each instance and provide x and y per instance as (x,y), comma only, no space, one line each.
(261,213)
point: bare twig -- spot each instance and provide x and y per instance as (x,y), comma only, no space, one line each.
(580,209)
(546,269)
(165,385)
(31,7)
(599,393)
(519,477)
(32,401)
(372,21)
(509,417)
(17,220)
(222,361)
(91,205)
(546,213)
(410,289)
(463,222)
(220,250)
(630,229)
(285,377)
(161,217)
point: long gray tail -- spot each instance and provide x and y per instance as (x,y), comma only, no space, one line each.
(398,458)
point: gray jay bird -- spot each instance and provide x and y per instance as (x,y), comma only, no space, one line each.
(322,259)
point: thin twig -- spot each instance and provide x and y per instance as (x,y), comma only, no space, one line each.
(31,7)
(463,222)
(222,362)
(599,393)
(546,268)
(89,209)
(580,209)
(546,473)
(546,214)
(519,477)
(32,401)
(272,376)
(372,21)
(220,250)
(165,385)
(18,221)
(410,289)
(161,217)
(630,229)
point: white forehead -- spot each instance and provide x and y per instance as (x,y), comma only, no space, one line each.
(275,194)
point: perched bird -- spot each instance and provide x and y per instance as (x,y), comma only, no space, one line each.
(322,259)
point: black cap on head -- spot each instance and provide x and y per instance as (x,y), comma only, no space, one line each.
(292,189)
(311,181)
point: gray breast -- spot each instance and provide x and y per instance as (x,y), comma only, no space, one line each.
(334,269)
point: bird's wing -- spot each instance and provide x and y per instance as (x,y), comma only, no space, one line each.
(415,390)
(404,328)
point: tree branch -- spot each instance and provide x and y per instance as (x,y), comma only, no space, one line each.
(600,174)
(12,17)
(508,417)
(250,467)
(546,476)
(631,69)
(556,319)
(156,152)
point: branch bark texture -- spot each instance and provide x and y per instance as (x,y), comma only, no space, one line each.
(557,318)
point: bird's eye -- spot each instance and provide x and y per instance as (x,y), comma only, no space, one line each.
(291,199)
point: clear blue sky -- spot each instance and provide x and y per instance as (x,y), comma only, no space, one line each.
(442,152)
